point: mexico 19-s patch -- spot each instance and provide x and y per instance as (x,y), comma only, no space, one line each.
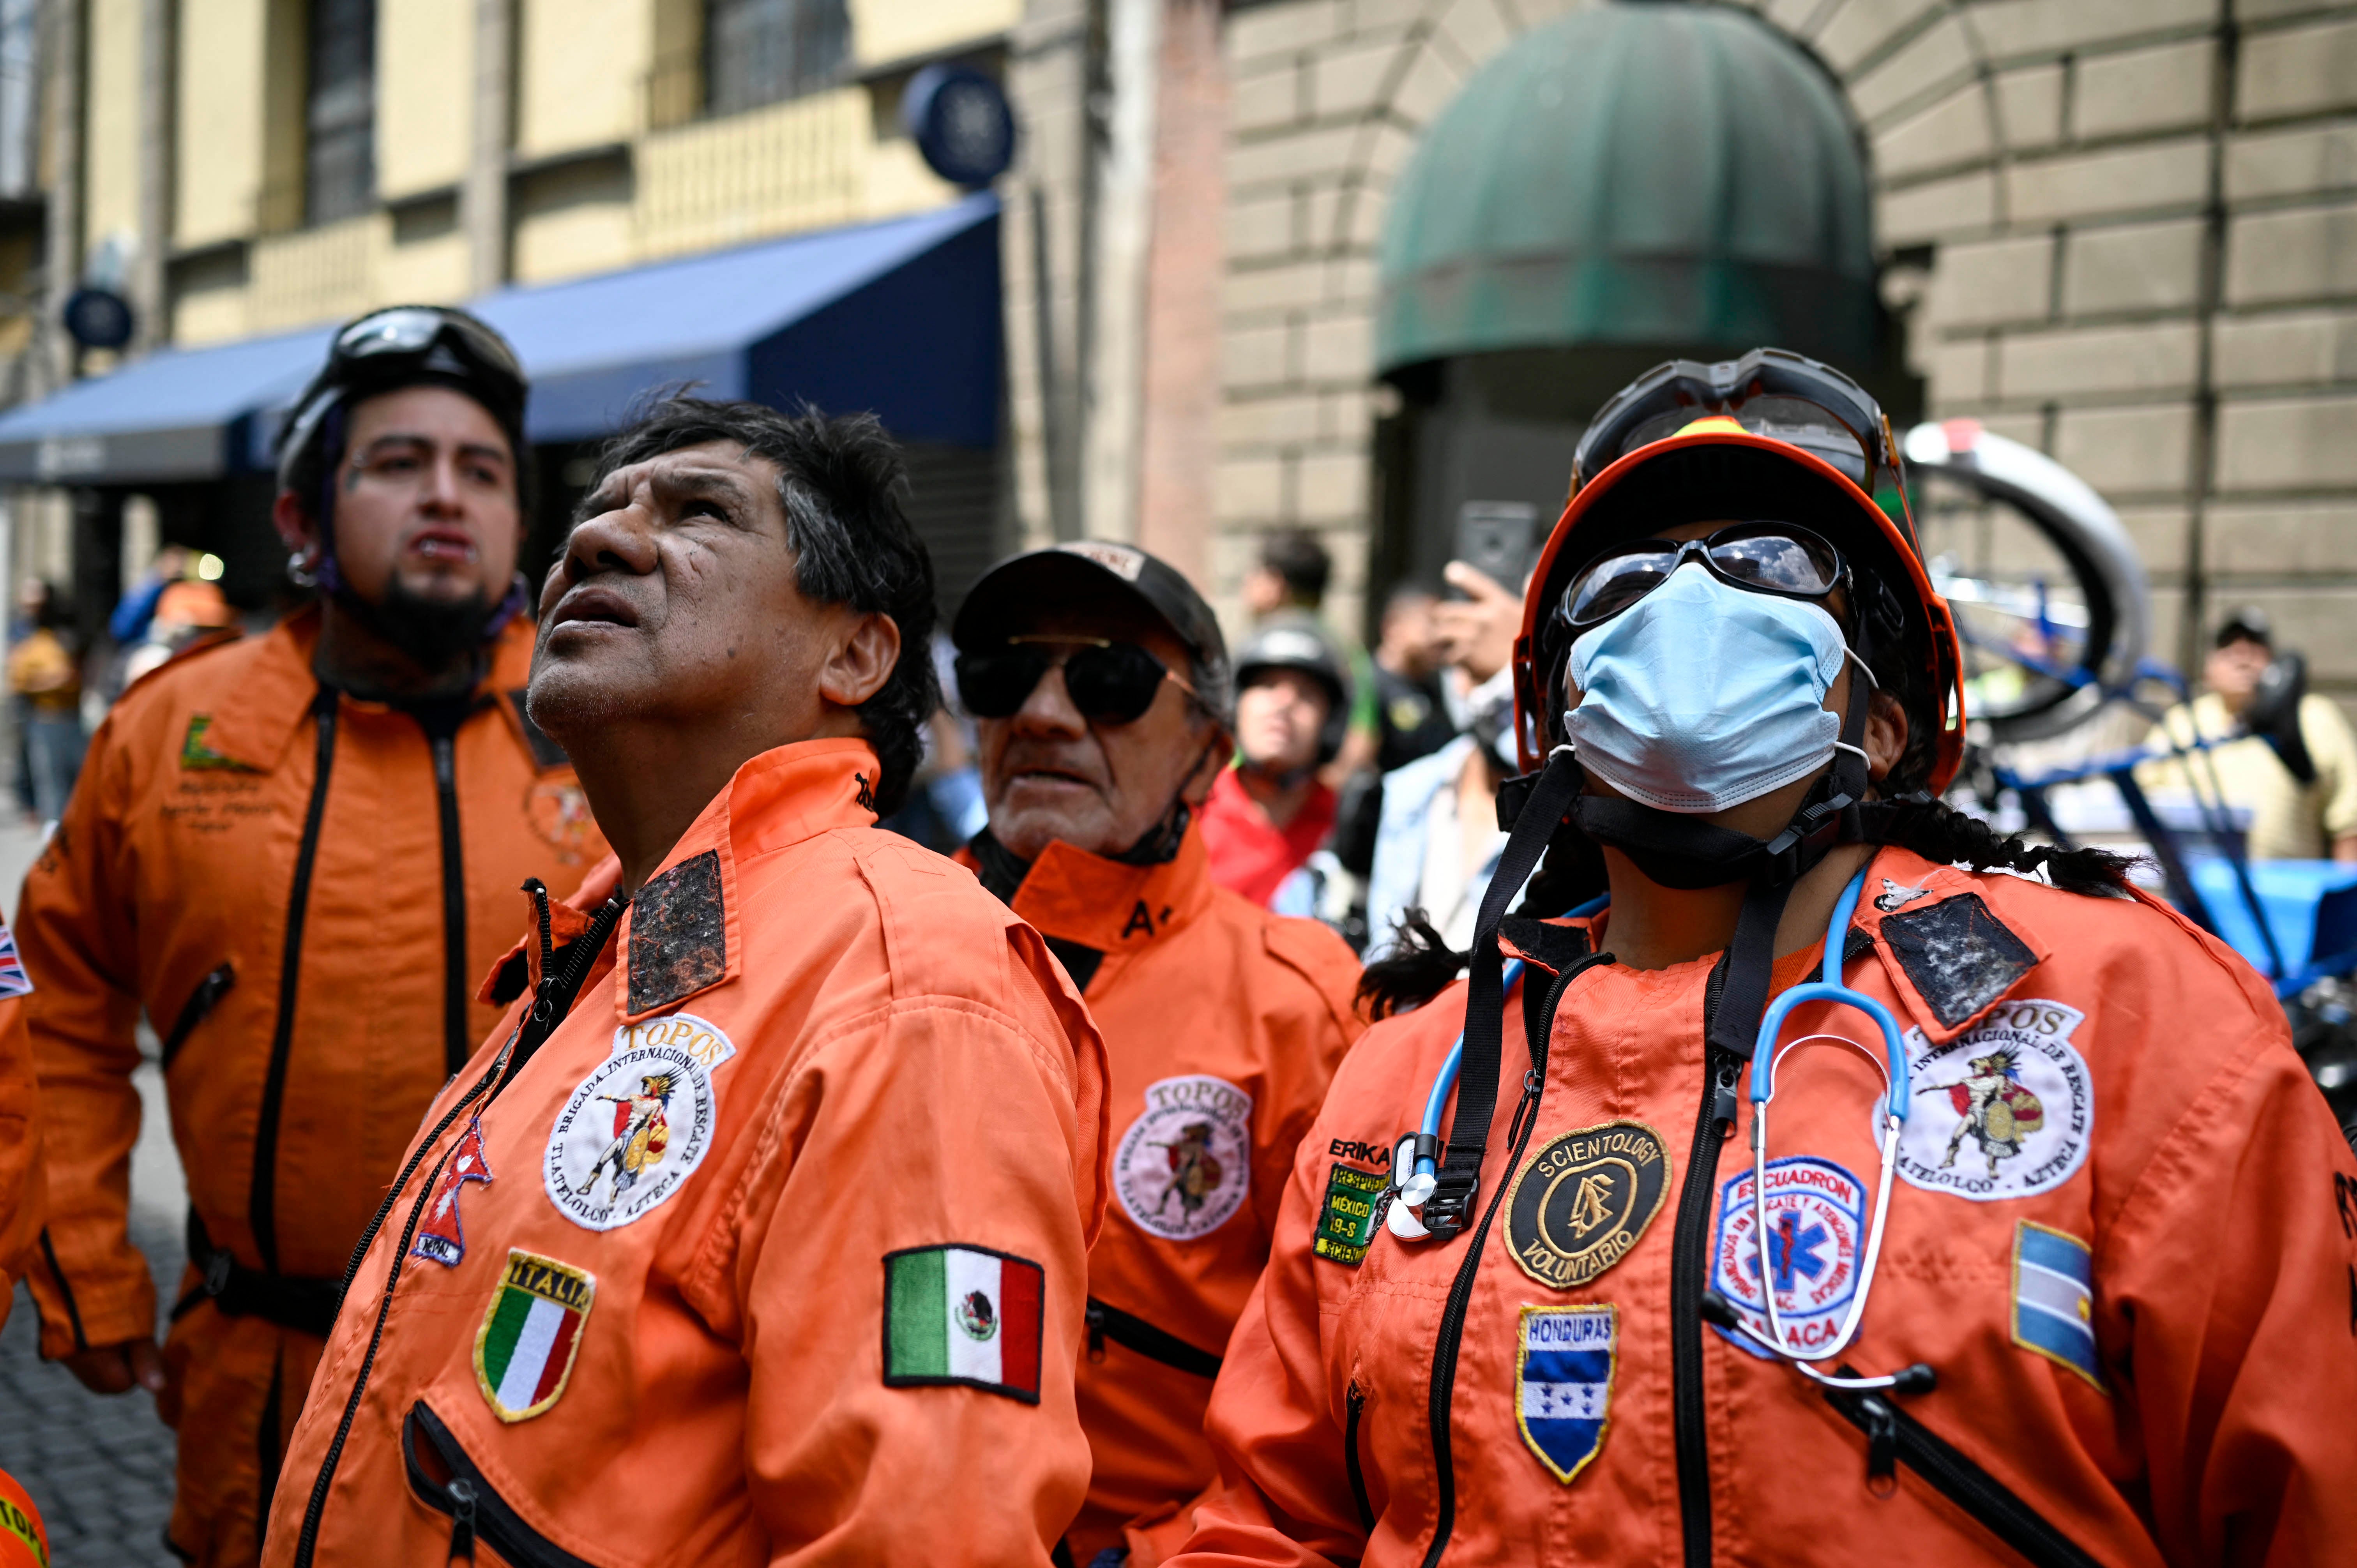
(1347,1220)
(531,1333)
(964,1315)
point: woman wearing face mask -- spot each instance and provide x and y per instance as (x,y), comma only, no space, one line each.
(2058,1261)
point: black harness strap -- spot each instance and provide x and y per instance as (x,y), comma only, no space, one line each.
(1459,1176)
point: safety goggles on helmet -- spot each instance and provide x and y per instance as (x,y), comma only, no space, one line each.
(1760,557)
(1109,683)
(1768,391)
(414,332)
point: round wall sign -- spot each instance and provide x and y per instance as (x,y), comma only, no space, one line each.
(98,319)
(960,121)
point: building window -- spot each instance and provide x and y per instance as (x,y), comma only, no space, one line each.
(339,110)
(759,51)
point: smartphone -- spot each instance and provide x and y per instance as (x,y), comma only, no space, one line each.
(1499,539)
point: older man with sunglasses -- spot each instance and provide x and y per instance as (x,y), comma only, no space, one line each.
(1101,690)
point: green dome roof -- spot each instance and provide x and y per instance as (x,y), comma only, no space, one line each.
(1633,172)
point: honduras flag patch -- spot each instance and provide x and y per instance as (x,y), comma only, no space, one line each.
(1564,1399)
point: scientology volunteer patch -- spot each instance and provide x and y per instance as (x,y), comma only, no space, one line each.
(1346,1221)
(1562,1389)
(964,1315)
(531,1332)
(1581,1203)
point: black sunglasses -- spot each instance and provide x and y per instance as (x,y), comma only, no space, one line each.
(1109,683)
(1760,556)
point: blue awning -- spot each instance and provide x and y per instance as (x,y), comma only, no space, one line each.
(899,317)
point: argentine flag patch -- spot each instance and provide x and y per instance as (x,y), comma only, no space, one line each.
(2054,1299)
(1563,1398)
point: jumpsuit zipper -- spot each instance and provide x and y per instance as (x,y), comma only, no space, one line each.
(261,1207)
(1132,1333)
(1354,1405)
(549,1008)
(1689,1260)
(457,1043)
(478,1512)
(1891,1433)
(1460,1290)
(1690,1263)
(195,1010)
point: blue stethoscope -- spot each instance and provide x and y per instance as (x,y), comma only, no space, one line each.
(1420,1180)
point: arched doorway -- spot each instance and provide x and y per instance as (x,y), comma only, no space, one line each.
(1627,183)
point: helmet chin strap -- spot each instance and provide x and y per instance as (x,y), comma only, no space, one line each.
(1675,851)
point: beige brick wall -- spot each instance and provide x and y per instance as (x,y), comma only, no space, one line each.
(2057,158)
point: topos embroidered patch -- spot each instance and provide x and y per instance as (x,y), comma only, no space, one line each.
(679,934)
(1960,957)
(1185,1165)
(2054,1298)
(1563,1393)
(958,1315)
(1347,1220)
(1816,1215)
(2004,1110)
(1583,1200)
(441,1239)
(531,1333)
(638,1126)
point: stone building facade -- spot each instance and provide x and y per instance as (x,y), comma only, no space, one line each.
(2124,232)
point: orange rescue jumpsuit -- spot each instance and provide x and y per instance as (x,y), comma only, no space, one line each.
(1223,1025)
(2134,1283)
(22,1201)
(781,1254)
(301,912)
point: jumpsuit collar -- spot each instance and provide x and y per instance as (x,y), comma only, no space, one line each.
(276,692)
(1076,896)
(683,934)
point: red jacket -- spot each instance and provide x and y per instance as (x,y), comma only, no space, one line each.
(2134,1283)
(1250,853)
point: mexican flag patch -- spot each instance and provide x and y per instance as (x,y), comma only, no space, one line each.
(531,1332)
(963,1314)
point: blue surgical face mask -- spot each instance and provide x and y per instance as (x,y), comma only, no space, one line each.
(1701,696)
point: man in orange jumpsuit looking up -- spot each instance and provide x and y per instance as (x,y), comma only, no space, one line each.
(824,1302)
(295,852)
(1102,692)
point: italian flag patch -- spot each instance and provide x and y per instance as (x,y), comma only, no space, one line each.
(531,1332)
(963,1314)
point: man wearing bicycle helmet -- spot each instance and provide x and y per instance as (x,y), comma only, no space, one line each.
(297,853)
(2048,1254)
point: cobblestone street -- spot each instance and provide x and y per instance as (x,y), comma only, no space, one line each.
(100,1469)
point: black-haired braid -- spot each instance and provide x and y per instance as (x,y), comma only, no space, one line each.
(1421,965)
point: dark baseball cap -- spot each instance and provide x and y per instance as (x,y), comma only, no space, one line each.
(1006,599)
(2248,624)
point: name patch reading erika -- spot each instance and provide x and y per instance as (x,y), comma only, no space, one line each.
(1581,1203)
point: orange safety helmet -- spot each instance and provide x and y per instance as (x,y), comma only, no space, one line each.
(24,1539)
(1772,435)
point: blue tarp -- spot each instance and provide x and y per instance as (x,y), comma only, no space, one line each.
(901,317)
